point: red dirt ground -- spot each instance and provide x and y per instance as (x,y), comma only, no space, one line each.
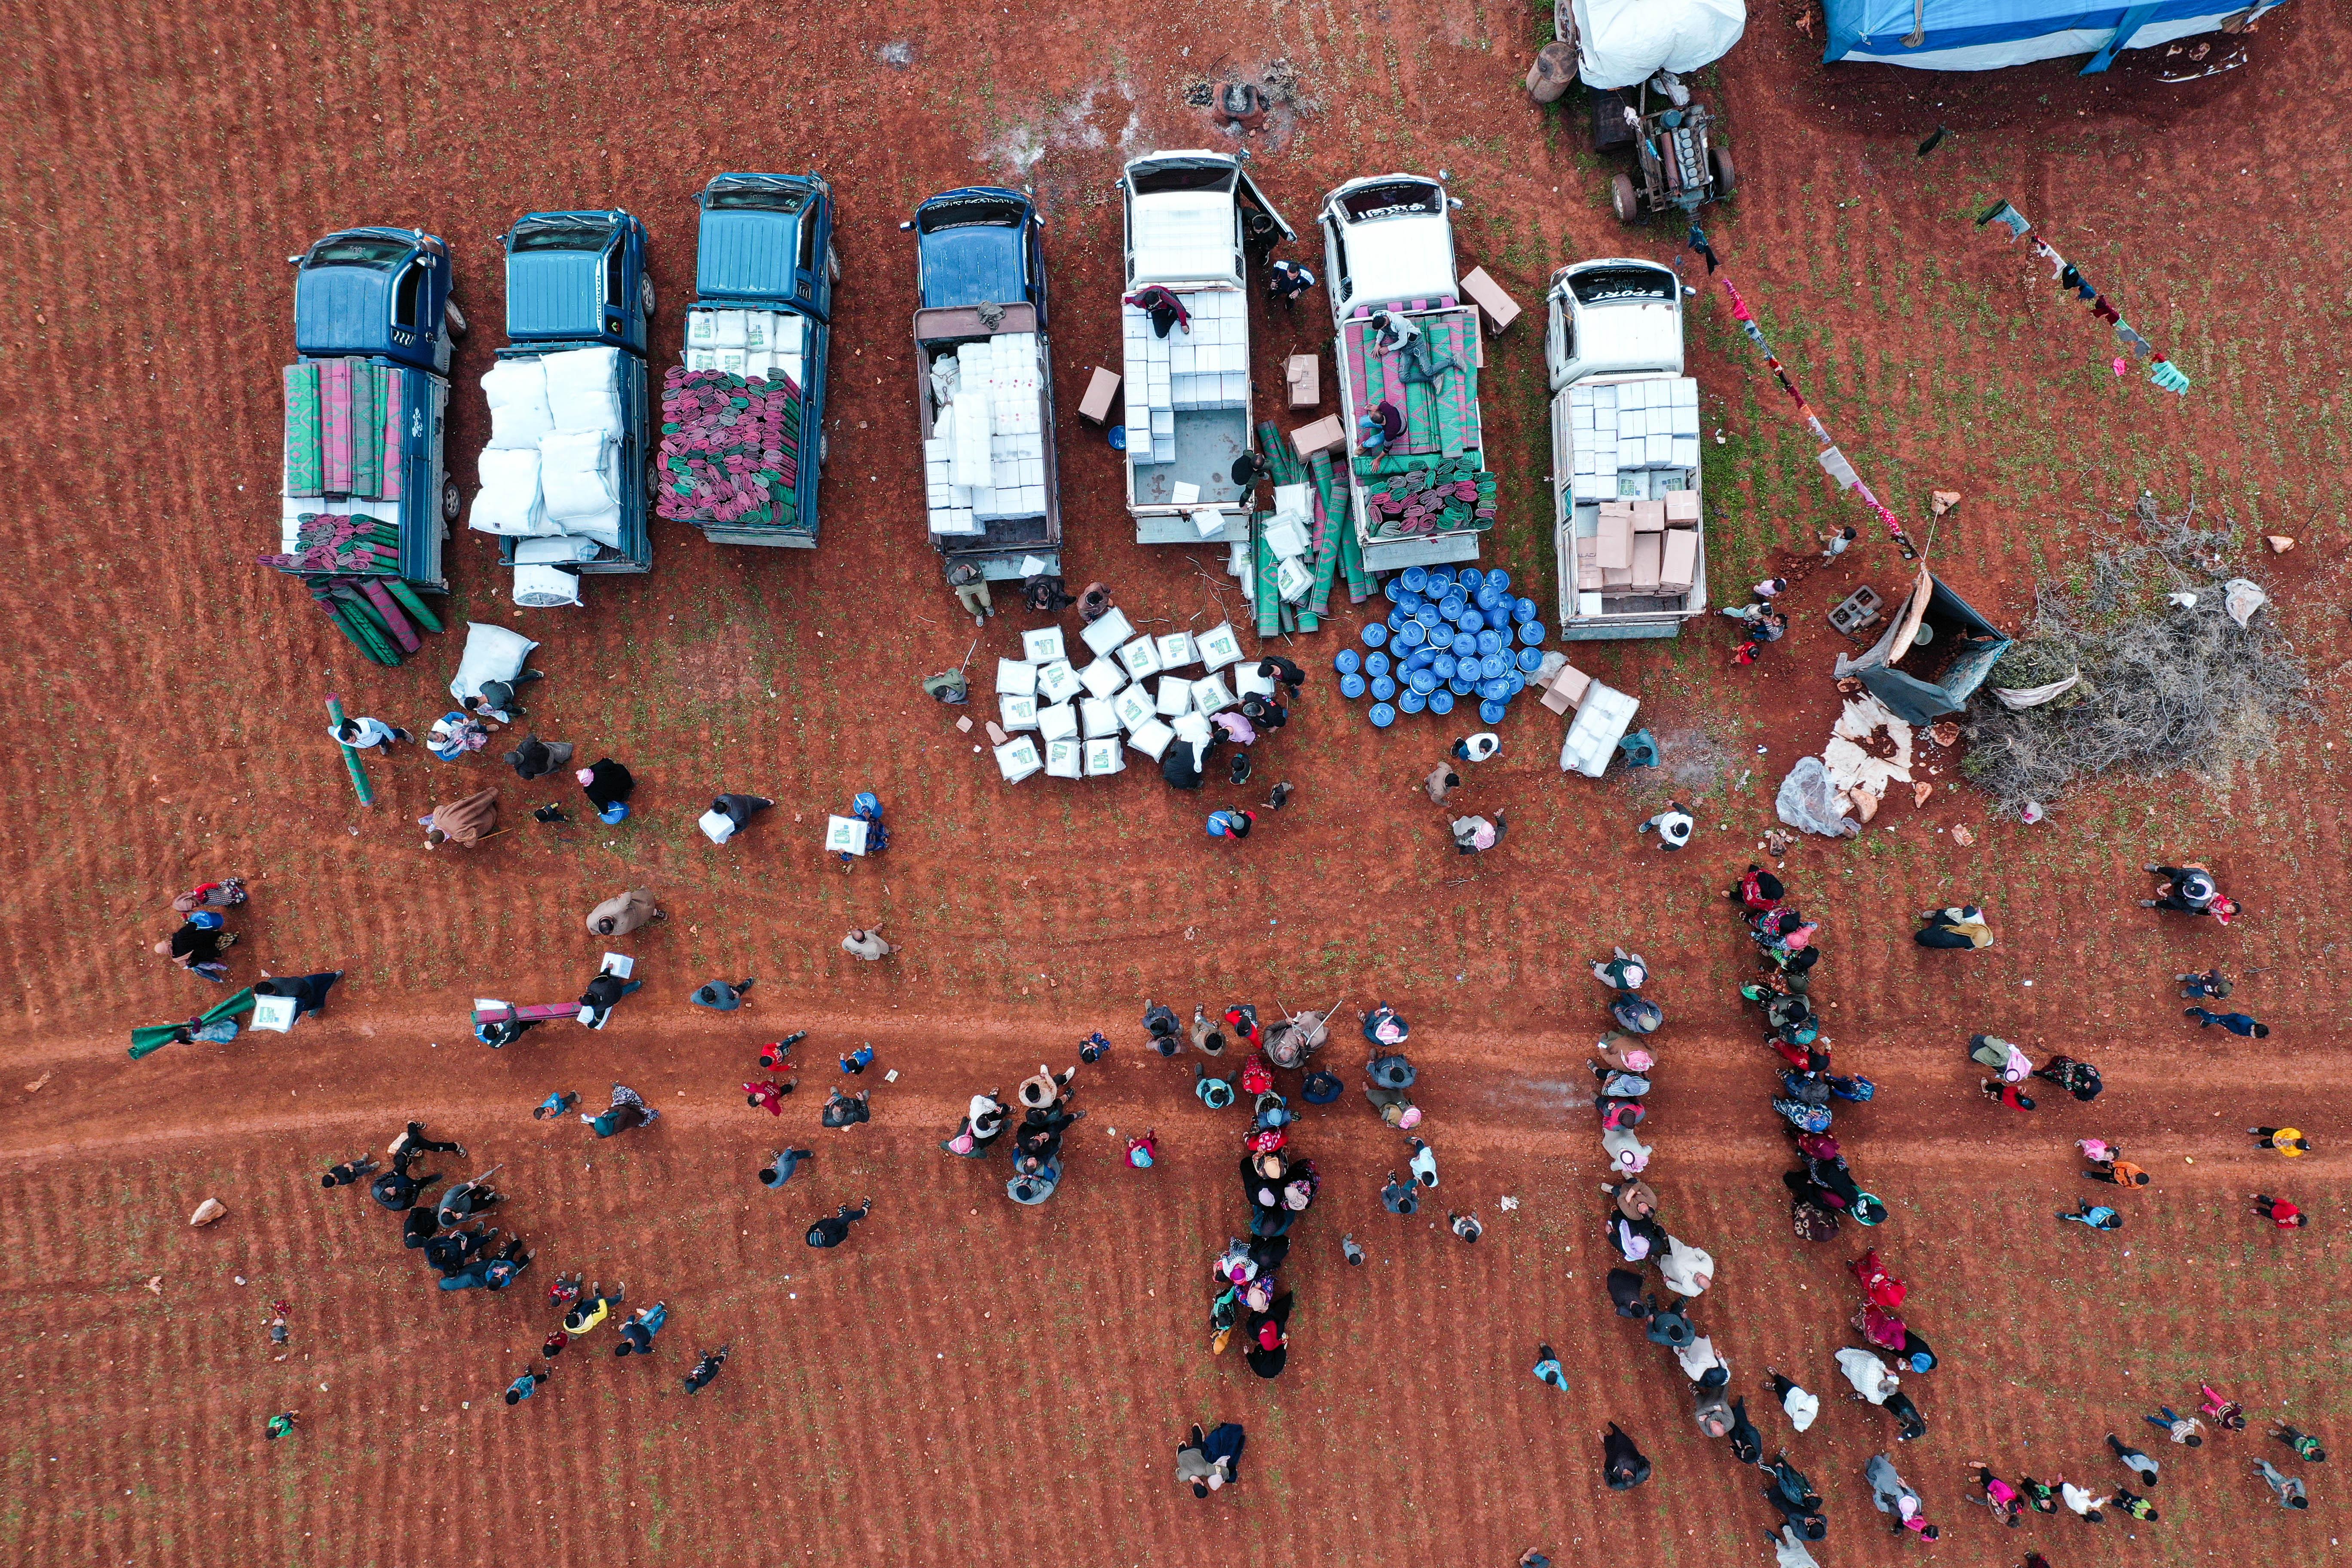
(965,1370)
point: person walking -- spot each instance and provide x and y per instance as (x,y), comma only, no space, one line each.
(2192,890)
(2139,1507)
(1546,1369)
(2288,1141)
(766,1095)
(625,913)
(602,994)
(628,1109)
(2225,1413)
(535,758)
(2132,1459)
(608,787)
(2280,1213)
(363,733)
(2288,1490)
(2305,1446)
(2240,1024)
(308,991)
(1891,1494)
(867,943)
(2196,987)
(2096,1216)
(348,1172)
(1286,281)
(706,1369)
(1673,826)
(1624,971)
(523,1387)
(970,585)
(1997,1495)
(1801,1407)
(592,1309)
(1424,1163)
(1227,823)
(279,1425)
(2005,1094)
(1210,1462)
(1868,1374)
(1962,925)
(1478,748)
(2080,1079)
(2084,1504)
(729,814)
(225,894)
(1464,1226)
(1623,1465)
(397,1190)
(198,946)
(780,1166)
(1442,782)
(719,995)
(1398,1197)
(2182,1429)
(1837,541)
(638,1333)
(465,821)
(834,1230)
(842,1111)
(2120,1171)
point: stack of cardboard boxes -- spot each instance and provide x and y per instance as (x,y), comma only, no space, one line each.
(985,456)
(771,344)
(1643,548)
(1203,365)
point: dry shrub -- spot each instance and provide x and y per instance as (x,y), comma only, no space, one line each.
(2164,690)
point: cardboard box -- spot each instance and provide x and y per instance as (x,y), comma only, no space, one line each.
(1571,682)
(1102,391)
(1303,376)
(1588,577)
(1326,435)
(1681,507)
(1678,570)
(1616,579)
(1649,517)
(1499,309)
(1615,549)
(1648,551)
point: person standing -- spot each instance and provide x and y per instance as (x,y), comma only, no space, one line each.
(362,734)
(628,1109)
(1442,782)
(1398,1197)
(970,585)
(2192,889)
(1227,823)
(638,1333)
(729,814)
(1464,1226)
(1286,281)
(2005,1094)
(279,1425)
(2240,1024)
(1546,1368)
(834,1230)
(844,1110)
(706,1369)
(2288,1490)
(2198,987)
(867,944)
(719,995)
(2288,1141)
(780,1166)
(1673,826)
(2182,1429)
(466,821)
(625,913)
(1475,835)
(523,1387)
(2280,1213)
(1962,925)
(1478,748)
(1623,1465)
(2120,1171)
(608,787)
(308,991)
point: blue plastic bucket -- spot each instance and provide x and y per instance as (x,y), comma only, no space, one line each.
(1381,715)
(1376,664)
(1375,635)
(1412,634)
(1347,661)
(1441,578)
(1383,689)
(1523,610)
(1411,703)
(1532,633)
(1443,664)
(1419,658)
(1498,580)
(1415,578)
(1391,588)
(1423,682)
(1491,712)
(1471,578)
(1489,645)
(1441,702)
(1440,636)
(1351,685)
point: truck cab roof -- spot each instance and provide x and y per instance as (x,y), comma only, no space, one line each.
(1614,316)
(574,277)
(1184,218)
(373,291)
(1388,238)
(979,245)
(764,239)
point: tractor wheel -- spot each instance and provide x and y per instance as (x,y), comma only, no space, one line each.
(1621,197)
(1726,180)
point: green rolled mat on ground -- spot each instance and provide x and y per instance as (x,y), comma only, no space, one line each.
(360,618)
(414,604)
(1265,601)
(351,754)
(146,1039)
(1281,458)
(394,621)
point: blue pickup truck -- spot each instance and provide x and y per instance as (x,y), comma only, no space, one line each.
(564,480)
(365,501)
(985,378)
(765,272)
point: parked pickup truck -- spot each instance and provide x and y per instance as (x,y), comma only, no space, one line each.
(1188,393)
(1625,453)
(364,490)
(765,272)
(565,477)
(1387,245)
(984,377)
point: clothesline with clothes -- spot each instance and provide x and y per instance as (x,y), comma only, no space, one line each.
(2069,277)
(1833,462)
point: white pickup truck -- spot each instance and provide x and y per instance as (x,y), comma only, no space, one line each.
(1624,451)
(1188,393)
(1425,498)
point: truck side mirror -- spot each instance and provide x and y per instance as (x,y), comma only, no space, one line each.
(906,228)
(1455,202)
(293,261)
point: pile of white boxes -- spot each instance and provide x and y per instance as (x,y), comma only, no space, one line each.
(769,345)
(985,458)
(1631,425)
(1084,718)
(1206,367)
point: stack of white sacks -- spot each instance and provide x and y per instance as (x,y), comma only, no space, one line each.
(551,473)
(1133,692)
(768,344)
(1631,425)
(985,458)
(1205,367)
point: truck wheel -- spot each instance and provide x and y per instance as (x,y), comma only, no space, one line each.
(449,501)
(645,295)
(454,316)
(1621,197)
(831,263)
(1726,180)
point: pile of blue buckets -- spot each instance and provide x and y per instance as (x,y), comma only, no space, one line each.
(1451,634)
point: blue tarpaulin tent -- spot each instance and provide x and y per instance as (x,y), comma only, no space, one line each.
(1985,34)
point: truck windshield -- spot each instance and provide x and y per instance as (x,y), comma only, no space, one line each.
(1609,284)
(760,201)
(1157,177)
(1392,200)
(562,239)
(979,211)
(380,253)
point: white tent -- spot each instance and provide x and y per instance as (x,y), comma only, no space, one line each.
(1621,43)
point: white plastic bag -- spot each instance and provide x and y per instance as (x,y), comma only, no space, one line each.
(492,652)
(508,500)
(572,474)
(583,389)
(1808,801)
(517,390)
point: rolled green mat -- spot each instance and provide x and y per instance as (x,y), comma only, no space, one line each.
(414,604)
(351,754)
(356,615)
(1265,602)
(335,613)
(148,1038)
(345,593)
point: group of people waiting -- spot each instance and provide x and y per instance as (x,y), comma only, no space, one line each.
(1044,1101)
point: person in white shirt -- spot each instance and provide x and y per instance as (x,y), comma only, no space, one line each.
(1673,826)
(361,733)
(1868,1374)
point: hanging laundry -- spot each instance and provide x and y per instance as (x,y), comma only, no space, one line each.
(2163,373)
(1698,243)
(1834,464)
(1932,143)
